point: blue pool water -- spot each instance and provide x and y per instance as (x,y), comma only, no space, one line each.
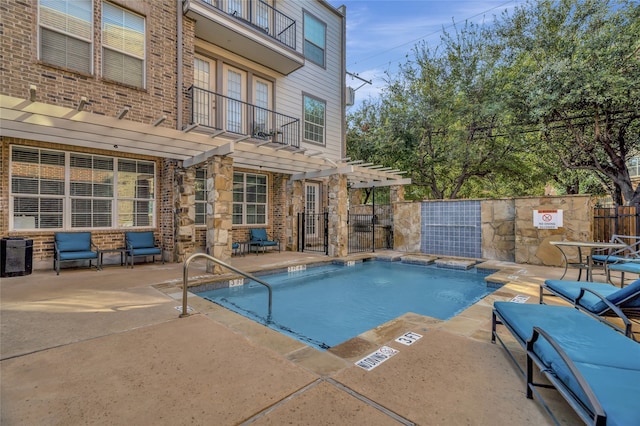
(326,305)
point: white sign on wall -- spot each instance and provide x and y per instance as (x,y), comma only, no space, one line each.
(547,219)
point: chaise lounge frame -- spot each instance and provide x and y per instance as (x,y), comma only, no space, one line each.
(592,407)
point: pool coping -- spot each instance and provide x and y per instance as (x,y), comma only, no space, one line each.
(471,322)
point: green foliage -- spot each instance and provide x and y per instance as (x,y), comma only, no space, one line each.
(501,110)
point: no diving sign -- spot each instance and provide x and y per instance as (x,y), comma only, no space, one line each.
(547,219)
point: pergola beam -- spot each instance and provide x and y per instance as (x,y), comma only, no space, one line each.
(201,158)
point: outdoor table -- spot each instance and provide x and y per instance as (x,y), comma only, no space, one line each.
(121,250)
(583,262)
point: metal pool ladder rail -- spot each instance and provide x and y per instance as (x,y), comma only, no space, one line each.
(185,279)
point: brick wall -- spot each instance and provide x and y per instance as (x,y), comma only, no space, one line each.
(21,67)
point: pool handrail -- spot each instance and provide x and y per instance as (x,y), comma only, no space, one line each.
(185,279)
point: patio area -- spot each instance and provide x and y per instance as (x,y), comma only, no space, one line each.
(108,347)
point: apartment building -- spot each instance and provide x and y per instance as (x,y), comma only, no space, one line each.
(196,119)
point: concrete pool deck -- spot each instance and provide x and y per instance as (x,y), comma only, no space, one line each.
(108,347)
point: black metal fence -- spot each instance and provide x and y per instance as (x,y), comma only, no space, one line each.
(620,220)
(213,110)
(366,234)
(262,16)
(313,232)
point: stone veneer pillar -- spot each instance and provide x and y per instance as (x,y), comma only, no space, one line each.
(295,205)
(219,209)
(396,193)
(338,230)
(185,213)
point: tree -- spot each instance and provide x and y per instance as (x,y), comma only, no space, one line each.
(444,120)
(576,70)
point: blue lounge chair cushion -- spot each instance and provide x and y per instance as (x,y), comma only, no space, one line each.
(571,291)
(609,361)
(574,326)
(603,258)
(73,241)
(633,267)
(235,246)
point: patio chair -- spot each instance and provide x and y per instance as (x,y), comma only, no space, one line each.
(631,252)
(74,246)
(258,238)
(594,368)
(598,299)
(141,244)
(632,267)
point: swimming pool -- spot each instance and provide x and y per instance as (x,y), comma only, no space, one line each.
(325,305)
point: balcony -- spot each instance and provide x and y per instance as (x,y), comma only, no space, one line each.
(250,28)
(217,112)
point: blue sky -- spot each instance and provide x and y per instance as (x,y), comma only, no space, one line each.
(381,33)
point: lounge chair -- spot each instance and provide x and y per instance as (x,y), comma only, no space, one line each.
(141,244)
(607,258)
(74,246)
(259,239)
(597,299)
(595,368)
(623,267)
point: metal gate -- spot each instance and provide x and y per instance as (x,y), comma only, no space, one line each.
(367,233)
(313,232)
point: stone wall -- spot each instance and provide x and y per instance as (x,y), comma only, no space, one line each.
(508,231)
(497,219)
(406,226)
(532,244)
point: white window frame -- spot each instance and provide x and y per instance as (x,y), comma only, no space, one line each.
(201,196)
(322,127)
(241,207)
(117,200)
(70,23)
(126,49)
(310,21)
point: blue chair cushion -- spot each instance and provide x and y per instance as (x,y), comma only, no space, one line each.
(633,267)
(608,360)
(73,241)
(146,251)
(140,239)
(602,258)
(591,302)
(235,246)
(266,243)
(259,234)
(78,255)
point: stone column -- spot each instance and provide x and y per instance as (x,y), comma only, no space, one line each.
(396,193)
(295,205)
(219,210)
(185,213)
(338,230)
(355,196)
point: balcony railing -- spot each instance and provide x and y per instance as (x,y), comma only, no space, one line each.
(210,109)
(262,16)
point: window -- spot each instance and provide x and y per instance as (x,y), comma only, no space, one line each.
(201,197)
(203,95)
(65,33)
(123,45)
(249,199)
(634,166)
(91,190)
(64,190)
(314,39)
(314,120)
